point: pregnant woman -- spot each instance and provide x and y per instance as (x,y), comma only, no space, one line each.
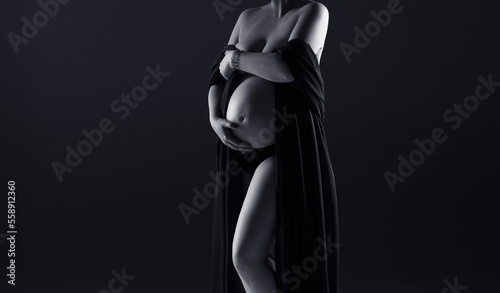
(275,217)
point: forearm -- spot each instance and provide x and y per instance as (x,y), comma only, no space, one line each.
(214,103)
(268,66)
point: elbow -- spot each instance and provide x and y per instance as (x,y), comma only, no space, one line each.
(278,77)
(282,74)
(284,77)
(288,77)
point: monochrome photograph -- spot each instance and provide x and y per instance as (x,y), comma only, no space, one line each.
(237,146)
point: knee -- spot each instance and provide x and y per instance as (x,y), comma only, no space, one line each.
(245,258)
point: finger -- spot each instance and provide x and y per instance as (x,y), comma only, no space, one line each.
(231,138)
(231,143)
(228,124)
(236,148)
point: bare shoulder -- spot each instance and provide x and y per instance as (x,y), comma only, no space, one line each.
(250,14)
(312,26)
(315,9)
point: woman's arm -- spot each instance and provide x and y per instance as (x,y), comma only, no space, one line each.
(268,66)
(221,126)
(312,27)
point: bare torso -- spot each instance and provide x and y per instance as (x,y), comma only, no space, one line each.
(251,104)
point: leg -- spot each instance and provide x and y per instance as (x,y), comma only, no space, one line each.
(255,230)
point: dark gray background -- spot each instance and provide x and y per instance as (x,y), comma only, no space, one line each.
(119,208)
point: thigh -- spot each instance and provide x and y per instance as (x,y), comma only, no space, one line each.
(255,229)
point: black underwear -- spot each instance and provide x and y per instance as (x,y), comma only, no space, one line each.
(252,159)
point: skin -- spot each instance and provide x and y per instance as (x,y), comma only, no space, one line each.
(258,32)
(251,106)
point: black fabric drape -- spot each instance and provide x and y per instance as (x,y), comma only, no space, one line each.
(306,246)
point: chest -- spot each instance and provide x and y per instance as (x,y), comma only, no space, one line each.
(265,35)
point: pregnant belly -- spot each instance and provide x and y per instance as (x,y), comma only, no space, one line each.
(251,106)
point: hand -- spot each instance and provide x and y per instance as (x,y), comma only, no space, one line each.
(223,128)
(225,65)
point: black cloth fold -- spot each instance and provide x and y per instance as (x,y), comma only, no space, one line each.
(306,243)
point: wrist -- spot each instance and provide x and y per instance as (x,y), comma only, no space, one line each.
(235,59)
